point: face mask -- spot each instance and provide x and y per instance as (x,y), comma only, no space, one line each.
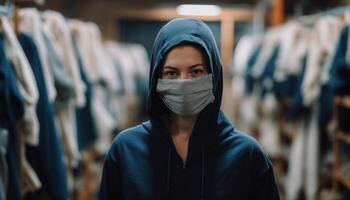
(186,97)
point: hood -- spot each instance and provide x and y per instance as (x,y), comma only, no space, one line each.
(175,32)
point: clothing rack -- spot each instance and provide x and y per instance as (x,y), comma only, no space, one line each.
(339,176)
(310,19)
(336,11)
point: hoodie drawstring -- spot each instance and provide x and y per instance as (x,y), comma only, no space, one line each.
(168,176)
(203,168)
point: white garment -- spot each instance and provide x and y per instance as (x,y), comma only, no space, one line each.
(294,62)
(99,66)
(89,42)
(248,112)
(30,24)
(120,101)
(126,65)
(289,33)
(83,38)
(140,57)
(294,177)
(268,126)
(66,121)
(290,44)
(243,52)
(59,33)
(104,63)
(304,159)
(326,34)
(105,123)
(271,40)
(112,50)
(29,126)
(55,24)
(130,68)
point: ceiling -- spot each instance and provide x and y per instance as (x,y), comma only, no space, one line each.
(291,6)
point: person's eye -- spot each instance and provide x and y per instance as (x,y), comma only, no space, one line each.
(170,74)
(197,72)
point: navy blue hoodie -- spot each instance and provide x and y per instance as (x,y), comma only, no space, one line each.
(222,162)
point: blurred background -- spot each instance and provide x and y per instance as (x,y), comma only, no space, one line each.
(74,73)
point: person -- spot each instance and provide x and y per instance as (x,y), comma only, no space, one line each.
(188,149)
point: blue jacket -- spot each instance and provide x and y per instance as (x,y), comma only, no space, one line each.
(86,127)
(47,157)
(11,111)
(222,162)
(340,69)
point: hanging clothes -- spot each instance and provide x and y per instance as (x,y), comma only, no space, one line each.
(29,126)
(63,82)
(3,163)
(327,31)
(12,110)
(128,73)
(339,80)
(47,158)
(85,42)
(305,174)
(61,38)
(118,102)
(60,35)
(340,70)
(140,57)
(249,102)
(290,62)
(101,73)
(86,127)
(31,24)
(299,175)
(269,136)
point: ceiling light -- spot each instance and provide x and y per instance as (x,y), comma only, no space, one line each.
(198,10)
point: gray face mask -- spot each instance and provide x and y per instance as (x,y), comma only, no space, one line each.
(186,97)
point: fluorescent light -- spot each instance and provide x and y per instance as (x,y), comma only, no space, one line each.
(198,10)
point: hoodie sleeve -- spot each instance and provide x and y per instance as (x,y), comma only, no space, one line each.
(110,187)
(265,186)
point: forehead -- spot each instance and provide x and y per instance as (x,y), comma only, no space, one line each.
(184,55)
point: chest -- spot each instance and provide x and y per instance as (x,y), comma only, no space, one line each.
(158,175)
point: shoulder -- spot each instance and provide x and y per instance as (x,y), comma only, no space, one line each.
(239,139)
(236,142)
(131,138)
(232,138)
(249,147)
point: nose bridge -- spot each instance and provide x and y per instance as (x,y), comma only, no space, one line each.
(185,74)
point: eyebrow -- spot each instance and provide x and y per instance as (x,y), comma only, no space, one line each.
(192,66)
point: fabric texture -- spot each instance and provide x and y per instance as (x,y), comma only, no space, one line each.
(186,97)
(29,125)
(60,36)
(47,157)
(30,23)
(12,110)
